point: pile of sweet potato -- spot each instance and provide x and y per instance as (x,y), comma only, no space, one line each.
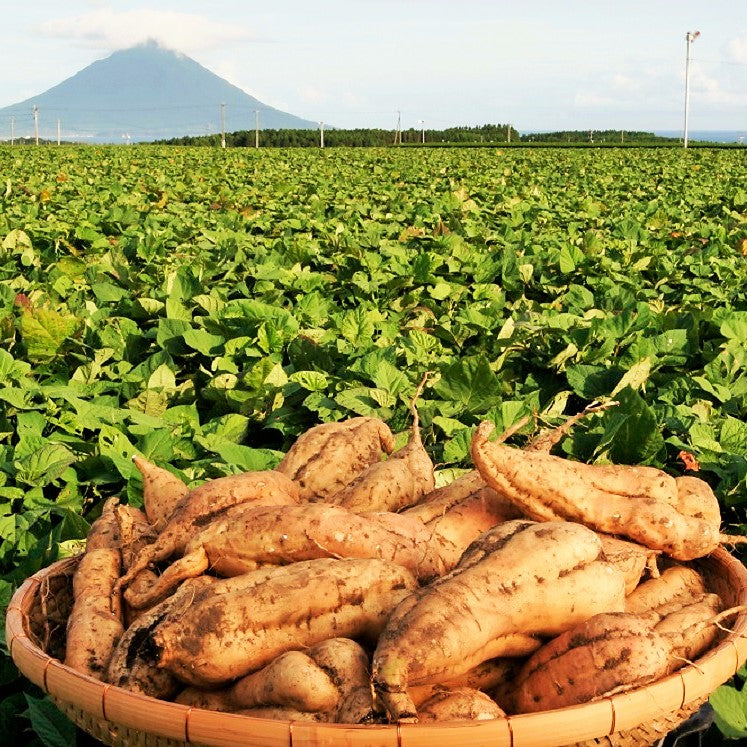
(343,586)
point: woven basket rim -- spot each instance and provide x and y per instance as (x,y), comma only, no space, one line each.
(185,724)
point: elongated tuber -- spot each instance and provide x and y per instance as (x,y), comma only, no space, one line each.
(641,503)
(298,605)
(518,580)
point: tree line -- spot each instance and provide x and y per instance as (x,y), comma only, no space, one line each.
(361,137)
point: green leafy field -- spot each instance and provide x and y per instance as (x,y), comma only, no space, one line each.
(203,307)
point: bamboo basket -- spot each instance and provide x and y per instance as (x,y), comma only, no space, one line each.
(35,625)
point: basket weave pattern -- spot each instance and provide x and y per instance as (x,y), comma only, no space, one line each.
(35,625)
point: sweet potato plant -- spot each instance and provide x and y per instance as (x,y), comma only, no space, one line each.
(202,310)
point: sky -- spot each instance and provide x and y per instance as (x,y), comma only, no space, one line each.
(538,65)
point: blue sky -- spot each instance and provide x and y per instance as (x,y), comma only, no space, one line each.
(540,65)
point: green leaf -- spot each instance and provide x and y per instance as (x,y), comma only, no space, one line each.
(312,381)
(631,435)
(45,465)
(360,401)
(734,436)
(232,428)
(730,711)
(245,458)
(158,445)
(357,327)
(734,326)
(203,342)
(470,383)
(592,382)
(16,240)
(52,727)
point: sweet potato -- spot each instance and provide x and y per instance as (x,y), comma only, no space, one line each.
(327,457)
(641,503)
(464,522)
(314,680)
(631,558)
(490,676)
(614,652)
(96,620)
(227,635)
(459,704)
(203,503)
(469,486)
(591,660)
(680,583)
(518,580)
(399,481)
(249,537)
(292,680)
(135,532)
(131,665)
(162,491)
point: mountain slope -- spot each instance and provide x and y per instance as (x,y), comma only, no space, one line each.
(147,93)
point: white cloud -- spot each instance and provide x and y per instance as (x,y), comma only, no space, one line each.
(736,49)
(712,91)
(109,29)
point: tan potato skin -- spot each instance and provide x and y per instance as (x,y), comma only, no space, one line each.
(272,535)
(162,491)
(292,680)
(640,503)
(596,658)
(393,484)
(135,531)
(630,557)
(471,485)
(676,583)
(685,624)
(226,636)
(96,619)
(250,537)
(202,504)
(316,679)
(459,704)
(327,457)
(612,653)
(93,628)
(489,676)
(519,579)
(130,667)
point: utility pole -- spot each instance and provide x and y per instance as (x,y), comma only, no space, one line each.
(321,134)
(256,128)
(690,37)
(36,124)
(398,133)
(508,134)
(422,125)
(223,125)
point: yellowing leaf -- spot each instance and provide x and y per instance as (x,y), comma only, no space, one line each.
(44,331)
(635,377)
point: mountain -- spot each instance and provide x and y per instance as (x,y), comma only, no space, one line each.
(143,93)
